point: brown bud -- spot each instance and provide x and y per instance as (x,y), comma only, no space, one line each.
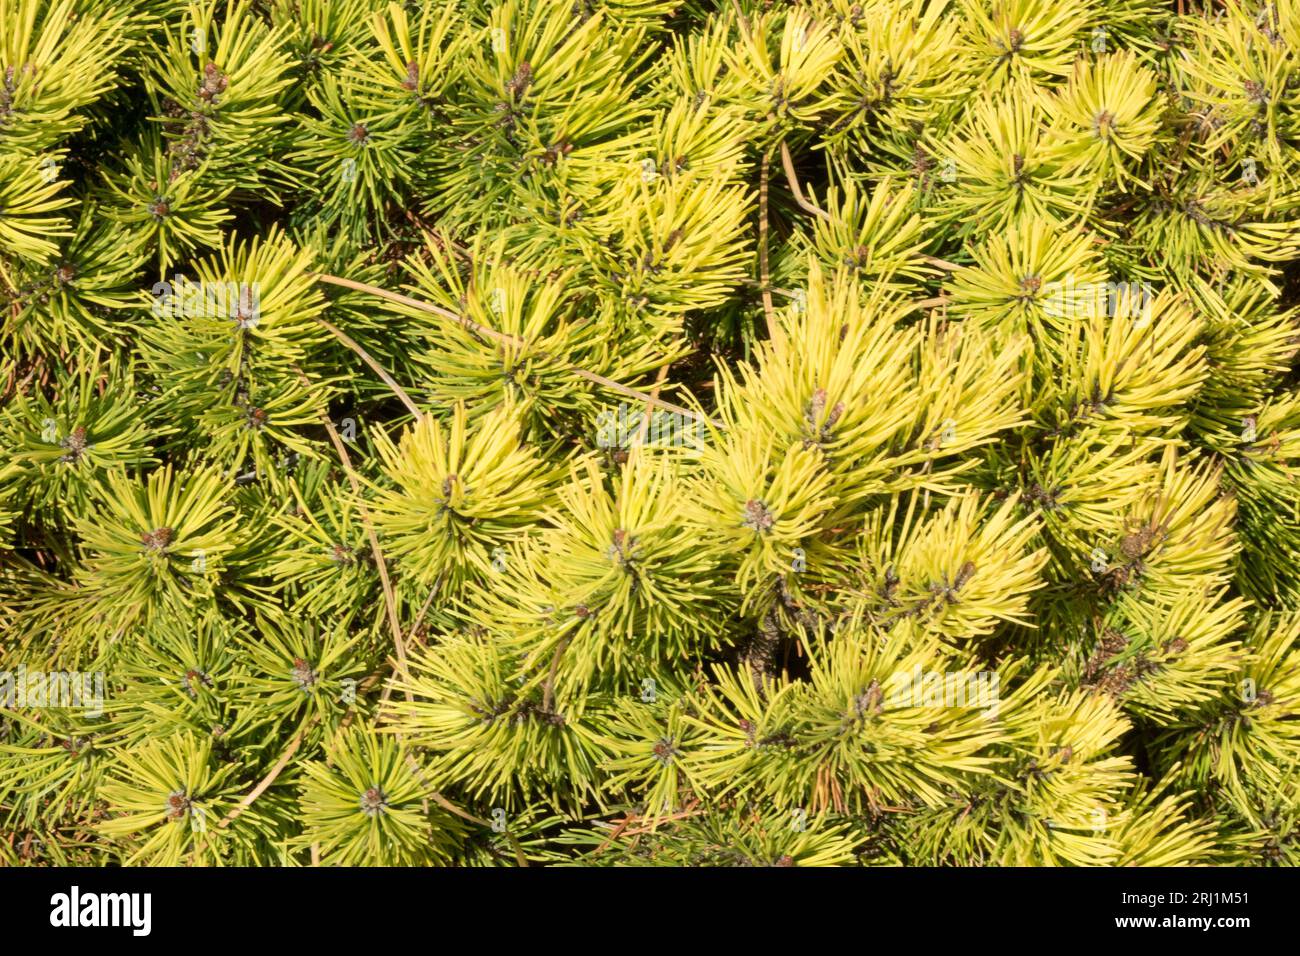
(373,802)
(178,804)
(757,516)
(158,540)
(303,675)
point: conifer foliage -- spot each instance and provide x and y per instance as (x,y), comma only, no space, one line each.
(527,432)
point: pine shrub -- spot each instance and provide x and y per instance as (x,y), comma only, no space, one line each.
(528,432)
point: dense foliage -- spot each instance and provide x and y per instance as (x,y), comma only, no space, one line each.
(508,432)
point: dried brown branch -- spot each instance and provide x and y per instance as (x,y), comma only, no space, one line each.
(378,369)
(793,179)
(765,276)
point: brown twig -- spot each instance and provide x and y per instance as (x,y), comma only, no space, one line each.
(941,263)
(643,434)
(765,275)
(615,834)
(793,180)
(266,781)
(930,303)
(415,625)
(755,284)
(651,825)
(269,779)
(424,608)
(548,689)
(390,600)
(450,807)
(378,369)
